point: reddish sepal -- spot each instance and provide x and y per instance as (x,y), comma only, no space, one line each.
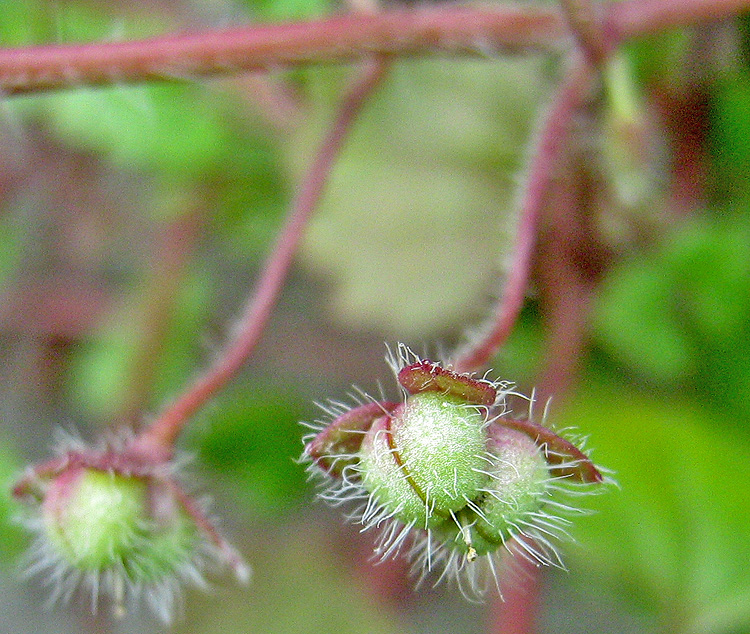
(564,457)
(425,376)
(335,447)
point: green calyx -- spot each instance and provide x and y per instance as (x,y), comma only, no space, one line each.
(437,463)
(515,492)
(426,459)
(97,521)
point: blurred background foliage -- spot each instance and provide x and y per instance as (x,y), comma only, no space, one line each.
(133,220)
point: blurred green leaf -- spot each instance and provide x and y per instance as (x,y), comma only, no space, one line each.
(251,439)
(709,264)
(661,56)
(27,22)
(175,128)
(250,193)
(676,531)
(277,10)
(682,315)
(730,134)
(635,321)
(12,536)
(422,190)
(22,23)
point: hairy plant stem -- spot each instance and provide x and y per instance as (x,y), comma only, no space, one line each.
(641,17)
(516,610)
(570,259)
(456,30)
(584,19)
(552,138)
(164,430)
(172,250)
(470,30)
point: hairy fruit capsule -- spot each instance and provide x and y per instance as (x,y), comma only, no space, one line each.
(98,521)
(397,459)
(449,473)
(115,523)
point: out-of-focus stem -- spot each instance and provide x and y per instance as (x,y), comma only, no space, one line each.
(165,429)
(450,30)
(584,20)
(570,260)
(641,17)
(454,30)
(171,255)
(516,610)
(551,141)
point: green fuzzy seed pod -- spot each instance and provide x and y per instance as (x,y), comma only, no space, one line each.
(520,476)
(94,518)
(518,486)
(425,461)
(97,520)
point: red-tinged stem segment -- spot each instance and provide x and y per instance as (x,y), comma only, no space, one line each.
(172,249)
(164,430)
(570,260)
(584,19)
(516,610)
(228,553)
(31,482)
(552,139)
(454,30)
(641,17)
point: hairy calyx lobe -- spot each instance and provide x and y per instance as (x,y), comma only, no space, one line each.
(425,460)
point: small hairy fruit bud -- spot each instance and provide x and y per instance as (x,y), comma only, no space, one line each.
(114,522)
(425,460)
(98,520)
(516,488)
(93,517)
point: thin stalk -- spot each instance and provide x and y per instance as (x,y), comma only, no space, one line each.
(164,430)
(584,19)
(642,17)
(457,31)
(454,30)
(551,141)
(570,261)
(172,251)
(516,610)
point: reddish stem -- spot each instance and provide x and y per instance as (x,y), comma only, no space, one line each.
(552,139)
(29,483)
(641,17)
(171,255)
(584,19)
(165,429)
(516,610)
(454,30)
(226,550)
(570,260)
